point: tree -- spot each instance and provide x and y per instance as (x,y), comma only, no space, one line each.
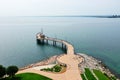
(11,70)
(2,71)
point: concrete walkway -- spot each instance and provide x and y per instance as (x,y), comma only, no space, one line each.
(70,59)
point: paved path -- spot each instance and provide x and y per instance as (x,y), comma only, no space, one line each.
(70,59)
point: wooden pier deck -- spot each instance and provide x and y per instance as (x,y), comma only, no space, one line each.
(70,59)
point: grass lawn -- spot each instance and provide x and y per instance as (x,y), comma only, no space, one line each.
(32,76)
(100,75)
(83,77)
(89,74)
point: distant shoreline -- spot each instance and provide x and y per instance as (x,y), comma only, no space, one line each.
(67,16)
(95,16)
(105,16)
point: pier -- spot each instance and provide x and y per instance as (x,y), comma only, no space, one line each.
(42,39)
(70,59)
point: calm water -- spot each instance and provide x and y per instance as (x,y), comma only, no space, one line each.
(99,37)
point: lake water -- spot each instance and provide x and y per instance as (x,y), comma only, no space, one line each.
(98,37)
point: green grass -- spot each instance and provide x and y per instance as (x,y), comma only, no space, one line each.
(100,75)
(32,76)
(96,74)
(83,77)
(89,74)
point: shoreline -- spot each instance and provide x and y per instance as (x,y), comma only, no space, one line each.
(89,62)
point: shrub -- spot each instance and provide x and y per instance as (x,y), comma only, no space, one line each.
(56,68)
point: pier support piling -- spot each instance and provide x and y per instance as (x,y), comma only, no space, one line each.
(54,43)
(62,45)
(47,41)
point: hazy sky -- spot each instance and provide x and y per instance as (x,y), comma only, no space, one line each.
(58,7)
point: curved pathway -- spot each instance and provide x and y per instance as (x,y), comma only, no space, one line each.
(70,59)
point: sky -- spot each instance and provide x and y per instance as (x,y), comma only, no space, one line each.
(58,7)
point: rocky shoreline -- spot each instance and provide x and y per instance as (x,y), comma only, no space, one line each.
(93,63)
(89,62)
